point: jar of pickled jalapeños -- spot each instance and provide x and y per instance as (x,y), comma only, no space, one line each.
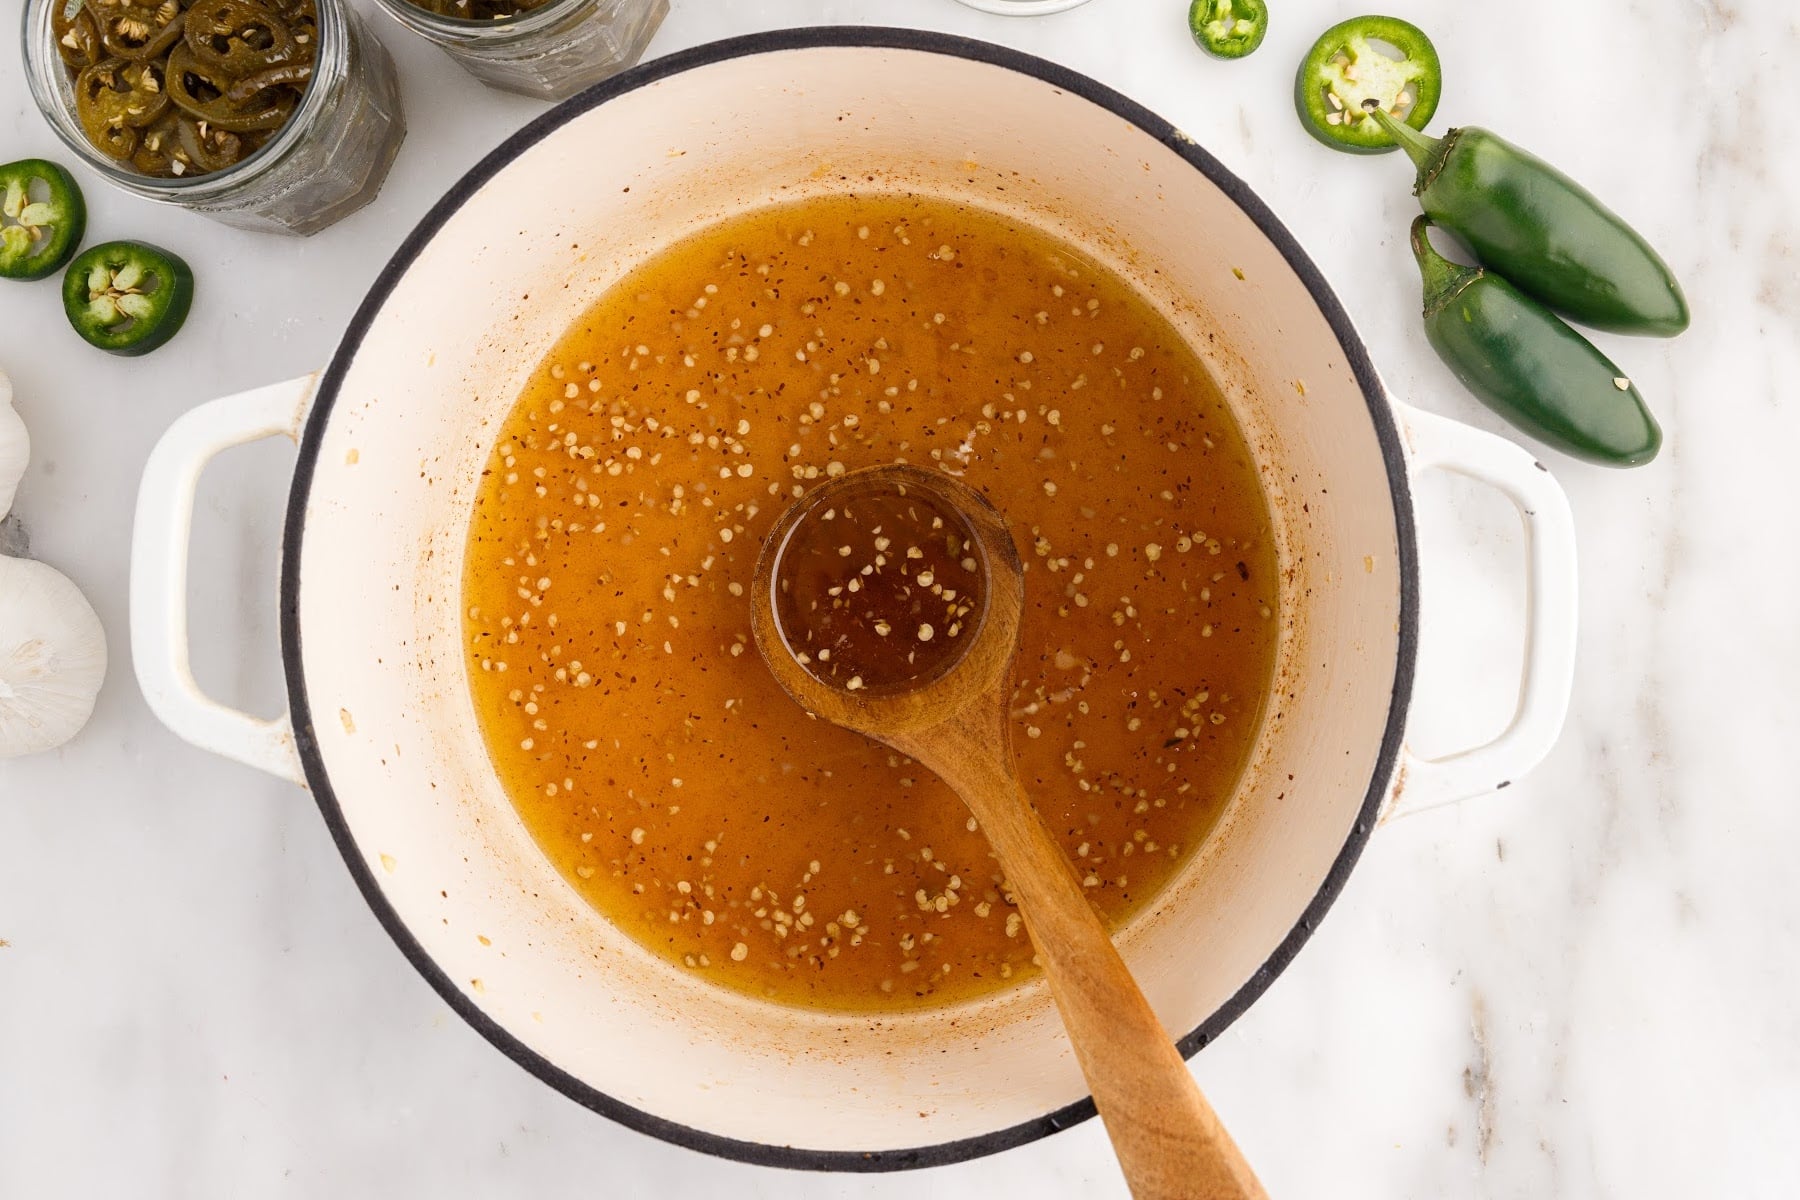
(281,116)
(545,48)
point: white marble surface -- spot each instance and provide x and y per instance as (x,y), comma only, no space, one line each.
(1583,987)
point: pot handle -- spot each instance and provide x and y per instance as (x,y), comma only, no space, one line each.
(1551,614)
(159,582)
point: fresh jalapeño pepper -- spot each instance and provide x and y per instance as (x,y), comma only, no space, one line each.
(1528,365)
(42,218)
(1546,233)
(1228,28)
(127,297)
(1347,75)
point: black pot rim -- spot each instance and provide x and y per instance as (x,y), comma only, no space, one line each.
(305,735)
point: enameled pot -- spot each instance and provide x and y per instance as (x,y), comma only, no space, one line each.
(393,433)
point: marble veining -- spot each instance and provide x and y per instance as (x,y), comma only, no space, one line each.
(1581,987)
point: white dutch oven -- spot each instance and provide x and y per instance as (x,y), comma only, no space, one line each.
(394,431)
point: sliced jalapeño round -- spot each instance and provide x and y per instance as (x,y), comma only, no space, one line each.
(127,297)
(1359,66)
(42,218)
(1228,28)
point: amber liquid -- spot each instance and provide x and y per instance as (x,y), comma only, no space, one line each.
(879,590)
(616,532)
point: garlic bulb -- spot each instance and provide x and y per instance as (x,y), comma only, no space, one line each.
(52,658)
(15,447)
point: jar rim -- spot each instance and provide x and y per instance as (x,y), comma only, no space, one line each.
(423,20)
(53,91)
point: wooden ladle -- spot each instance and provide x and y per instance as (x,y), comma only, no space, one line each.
(948,710)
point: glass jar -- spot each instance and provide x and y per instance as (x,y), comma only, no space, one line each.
(1023,8)
(550,52)
(327,161)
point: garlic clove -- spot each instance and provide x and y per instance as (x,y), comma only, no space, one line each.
(15,447)
(52,658)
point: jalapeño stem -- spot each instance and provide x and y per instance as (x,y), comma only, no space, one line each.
(1423,149)
(1443,278)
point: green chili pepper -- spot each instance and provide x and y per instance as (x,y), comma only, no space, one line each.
(126,297)
(200,92)
(153,153)
(77,36)
(1228,28)
(139,34)
(1528,365)
(42,218)
(115,98)
(235,38)
(250,86)
(1347,75)
(213,150)
(1546,233)
(173,88)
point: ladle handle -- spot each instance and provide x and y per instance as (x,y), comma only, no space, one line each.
(1168,1139)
